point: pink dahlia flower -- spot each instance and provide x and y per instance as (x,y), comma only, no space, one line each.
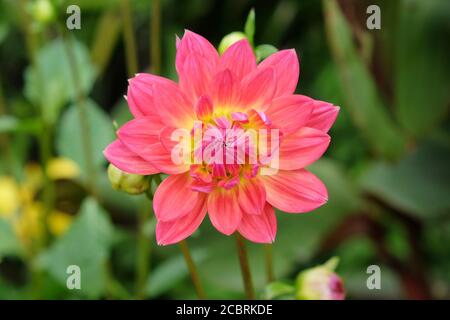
(219,94)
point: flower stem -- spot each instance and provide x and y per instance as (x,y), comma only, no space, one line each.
(155,37)
(192,270)
(269,262)
(144,249)
(130,42)
(245,268)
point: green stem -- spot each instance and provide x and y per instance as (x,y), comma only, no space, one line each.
(155,37)
(144,249)
(80,102)
(192,270)
(45,135)
(130,42)
(245,268)
(269,262)
(4,138)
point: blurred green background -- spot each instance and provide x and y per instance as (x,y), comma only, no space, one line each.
(387,170)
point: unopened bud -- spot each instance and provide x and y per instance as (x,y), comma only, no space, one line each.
(229,39)
(320,283)
(127,182)
(43,11)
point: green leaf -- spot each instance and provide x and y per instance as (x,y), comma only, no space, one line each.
(264,50)
(418,184)
(422,78)
(101,134)
(278,290)
(86,244)
(9,243)
(362,99)
(170,272)
(51,85)
(249,28)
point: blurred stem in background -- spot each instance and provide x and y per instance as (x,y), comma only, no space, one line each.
(245,268)
(269,262)
(45,144)
(4,138)
(192,270)
(155,37)
(80,101)
(130,42)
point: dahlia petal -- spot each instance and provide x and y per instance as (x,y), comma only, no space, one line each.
(140,94)
(239,58)
(173,107)
(177,143)
(290,113)
(192,42)
(204,107)
(287,70)
(225,90)
(170,232)
(195,77)
(258,89)
(127,161)
(142,137)
(252,196)
(302,148)
(174,198)
(323,116)
(260,228)
(224,211)
(295,191)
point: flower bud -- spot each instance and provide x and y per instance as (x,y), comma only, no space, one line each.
(320,283)
(127,182)
(43,11)
(229,39)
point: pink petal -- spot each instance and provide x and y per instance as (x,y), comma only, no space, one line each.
(239,58)
(141,137)
(174,197)
(195,76)
(258,89)
(194,43)
(127,161)
(169,232)
(140,96)
(252,196)
(225,90)
(302,148)
(204,107)
(287,70)
(173,107)
(290,113)
(295,191)
(260,228)
(224,211)
(323,116)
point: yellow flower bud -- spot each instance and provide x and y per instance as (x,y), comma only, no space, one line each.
(43,11)
(127,182)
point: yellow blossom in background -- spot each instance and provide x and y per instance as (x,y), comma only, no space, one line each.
(62,168)
(58,222)
(9,196)
(18,203)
